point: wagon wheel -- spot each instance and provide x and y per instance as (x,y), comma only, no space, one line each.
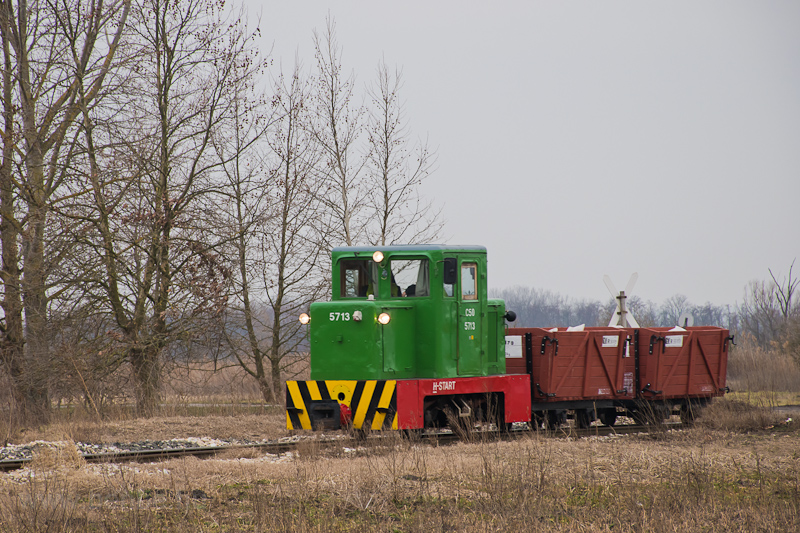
(689,412)
(608,417)
(553,419)
(582,418)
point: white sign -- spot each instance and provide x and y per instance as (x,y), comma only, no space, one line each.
(610,341)
(673,341)
(513,346)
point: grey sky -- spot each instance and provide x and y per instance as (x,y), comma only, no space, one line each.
(578,139)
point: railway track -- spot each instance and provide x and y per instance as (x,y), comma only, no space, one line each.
(160,453)
(151,452)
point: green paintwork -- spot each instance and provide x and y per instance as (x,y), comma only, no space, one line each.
(429,336)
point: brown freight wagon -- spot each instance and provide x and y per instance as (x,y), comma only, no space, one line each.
(587,371)
(645,373)
(681,367)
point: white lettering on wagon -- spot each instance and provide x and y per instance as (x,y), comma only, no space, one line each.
(439,386)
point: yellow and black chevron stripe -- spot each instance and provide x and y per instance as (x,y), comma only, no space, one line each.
(372,402)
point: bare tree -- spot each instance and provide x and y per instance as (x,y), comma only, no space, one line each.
(155,220)
(13,338)
(789,309)
(280,260)
(709,314)
(543,308)
(645,311)
(49,49)
(672,309)
(397,169)
(338,129)
(784,293)
(760,312)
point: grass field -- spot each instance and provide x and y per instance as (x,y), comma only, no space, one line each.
(737,470)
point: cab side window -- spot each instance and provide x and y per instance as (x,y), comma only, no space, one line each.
(469,281)
(449,273)
(410,278)
(448,289)
(358,278)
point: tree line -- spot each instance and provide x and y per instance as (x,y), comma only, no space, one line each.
(769,313)
(168,193)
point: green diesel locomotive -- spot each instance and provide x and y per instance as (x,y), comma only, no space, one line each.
(401,318)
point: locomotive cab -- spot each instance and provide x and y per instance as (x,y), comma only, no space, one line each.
(401,316)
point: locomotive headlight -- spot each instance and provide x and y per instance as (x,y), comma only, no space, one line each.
(384,318)
(304,318)
(377,256)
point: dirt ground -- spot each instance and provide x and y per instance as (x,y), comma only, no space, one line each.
(268,425)
(243,427)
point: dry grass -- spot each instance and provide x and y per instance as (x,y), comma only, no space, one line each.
(754,369)
(225,403)
(735,415)
(697,480)
(737,470)
(769,399)
(205,384)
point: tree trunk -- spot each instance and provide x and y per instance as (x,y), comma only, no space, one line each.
(13,340)
(266,389)
(147,374)
(276,381)
(34,292)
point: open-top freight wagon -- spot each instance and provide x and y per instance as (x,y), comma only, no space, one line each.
(645,373)
(410,340)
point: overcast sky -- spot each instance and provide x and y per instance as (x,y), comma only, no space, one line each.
(577,139)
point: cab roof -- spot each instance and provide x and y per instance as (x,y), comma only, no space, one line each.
(405,248)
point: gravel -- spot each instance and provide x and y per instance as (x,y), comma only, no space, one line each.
(18,452)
